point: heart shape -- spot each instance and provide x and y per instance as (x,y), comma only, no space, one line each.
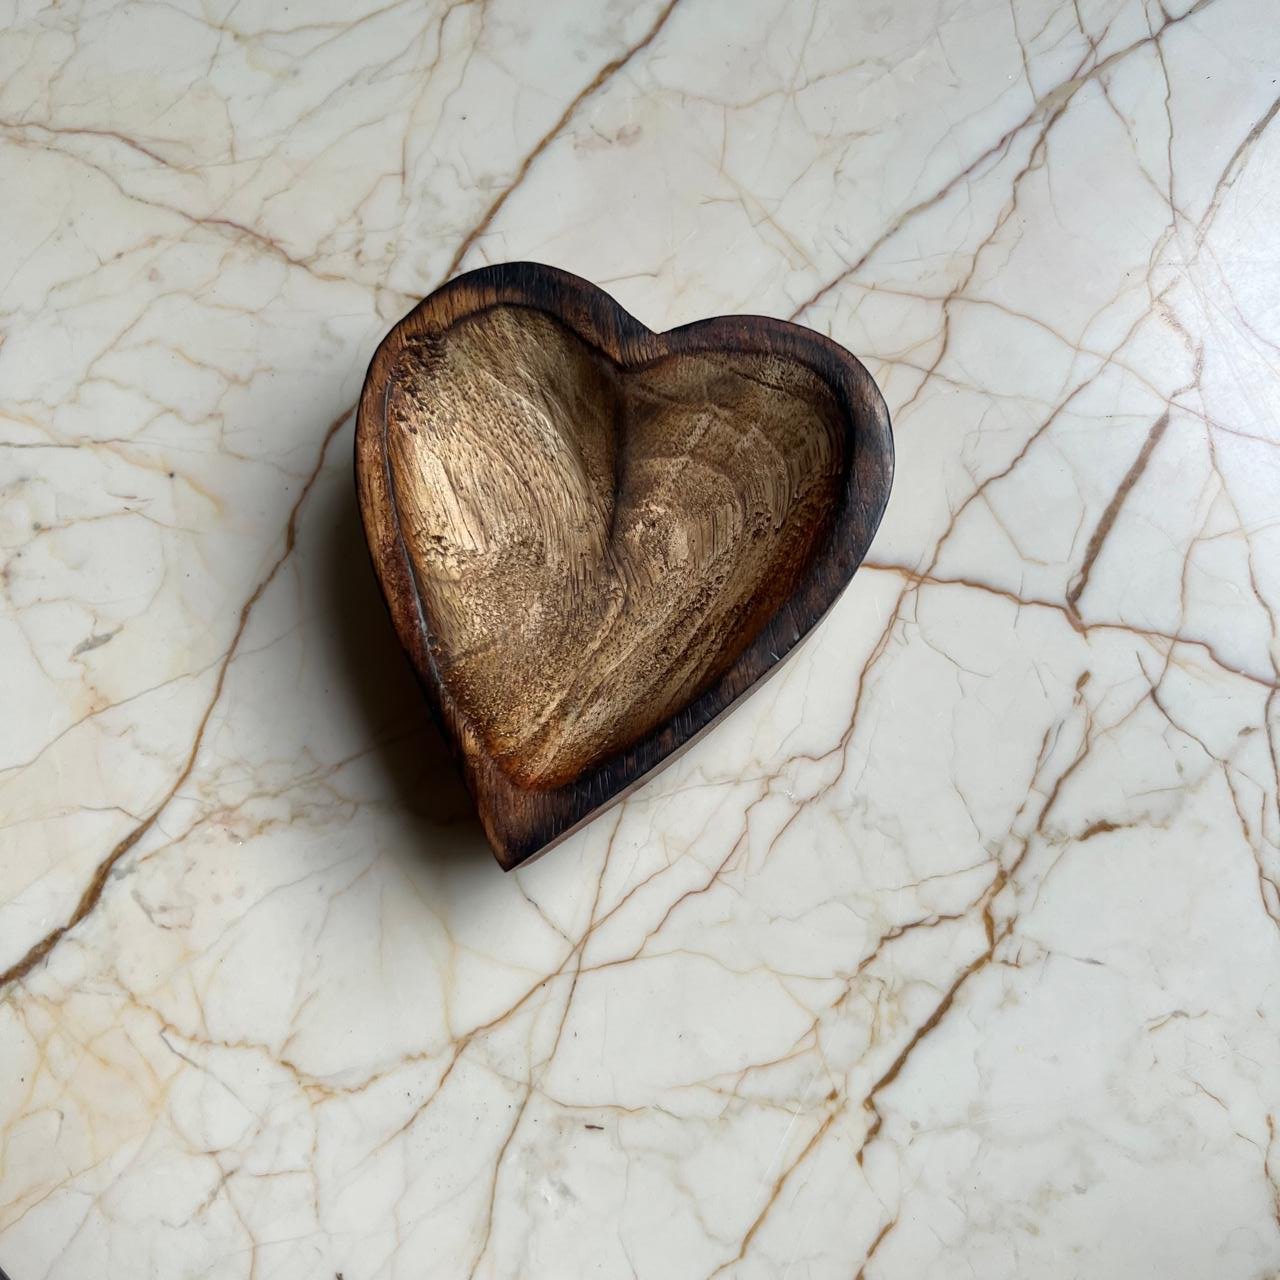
(593,539)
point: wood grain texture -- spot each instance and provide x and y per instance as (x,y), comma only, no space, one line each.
(593,538)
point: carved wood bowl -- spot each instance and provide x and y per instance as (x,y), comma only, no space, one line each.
(594,539)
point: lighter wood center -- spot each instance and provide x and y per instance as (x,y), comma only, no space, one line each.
(593,546)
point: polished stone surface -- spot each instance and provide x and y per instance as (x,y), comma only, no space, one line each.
(954,952)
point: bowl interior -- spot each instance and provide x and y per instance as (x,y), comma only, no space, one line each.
(593,544)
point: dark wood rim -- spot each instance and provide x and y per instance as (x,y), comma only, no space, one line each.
(522,823)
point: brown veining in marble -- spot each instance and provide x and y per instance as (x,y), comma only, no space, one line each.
(840,981)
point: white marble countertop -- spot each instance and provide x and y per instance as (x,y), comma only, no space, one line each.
(954,952)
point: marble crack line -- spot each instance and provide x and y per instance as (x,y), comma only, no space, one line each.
(921,577)
(113,134)
(940,1011)
(1052,104)
(1233,168)
(778,1185)
(912,581)
(875,1244)
(984,903)
(1272,1174)
(999,880)
(531,1082)
(594,86)
(1108,517)
(1035,161)
(93,891)
(21,766)
(224,227)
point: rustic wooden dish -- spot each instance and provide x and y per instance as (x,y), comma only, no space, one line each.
(594,539)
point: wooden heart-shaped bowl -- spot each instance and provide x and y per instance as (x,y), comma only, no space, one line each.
(593,538)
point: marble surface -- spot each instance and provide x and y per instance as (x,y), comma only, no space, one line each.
(953,952)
